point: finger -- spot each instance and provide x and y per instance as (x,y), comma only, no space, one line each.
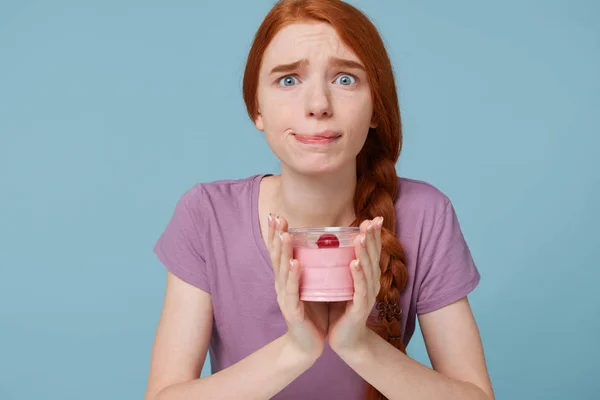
(366,266)
(292,285)
(361,290)
(364,225)
(362,254)
(378,234)
(378,246)
(371,246)
(275,252)
(284,261)
(271,230)
(281,226)
(281,223)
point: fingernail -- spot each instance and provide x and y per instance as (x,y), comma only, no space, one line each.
(362,239)
(291,263)
(357,264)
(277,220)
(281,236)
(380,222)
(370,227)
(270,218)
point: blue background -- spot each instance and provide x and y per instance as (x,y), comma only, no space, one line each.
(110,110)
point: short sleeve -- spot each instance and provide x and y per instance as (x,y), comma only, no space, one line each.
(449,272)
(181,245)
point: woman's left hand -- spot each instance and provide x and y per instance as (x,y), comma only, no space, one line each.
(348,320)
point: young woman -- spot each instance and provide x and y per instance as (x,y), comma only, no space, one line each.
(320,85)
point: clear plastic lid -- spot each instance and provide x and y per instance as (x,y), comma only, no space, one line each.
(324,237)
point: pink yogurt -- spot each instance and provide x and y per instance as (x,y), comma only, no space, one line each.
(325,272)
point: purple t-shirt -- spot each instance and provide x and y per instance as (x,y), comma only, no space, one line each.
(213,242)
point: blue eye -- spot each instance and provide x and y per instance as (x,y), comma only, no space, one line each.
(346,80)
(288,80)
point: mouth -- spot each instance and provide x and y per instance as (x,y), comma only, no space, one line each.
(320,138)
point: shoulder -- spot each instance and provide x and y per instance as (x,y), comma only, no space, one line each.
(420,199)
(210,205)
(222,193)
(424,211)
(229,185)
(411,189)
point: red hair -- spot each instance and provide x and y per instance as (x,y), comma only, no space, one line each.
(377,181)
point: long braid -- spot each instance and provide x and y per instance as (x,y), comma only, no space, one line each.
(376,191)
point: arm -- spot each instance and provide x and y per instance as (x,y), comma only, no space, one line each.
(181,345)
(455,350)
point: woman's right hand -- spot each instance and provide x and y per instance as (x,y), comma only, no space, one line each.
(307,322)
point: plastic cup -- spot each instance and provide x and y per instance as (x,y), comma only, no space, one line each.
(325,255)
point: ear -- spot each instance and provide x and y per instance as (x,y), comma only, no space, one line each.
(373,122)
(259,122)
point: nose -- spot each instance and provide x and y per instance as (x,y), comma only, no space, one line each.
(318,101)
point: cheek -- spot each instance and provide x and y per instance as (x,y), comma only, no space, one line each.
(276,118)
(356,115)
(279,112)
(357,112)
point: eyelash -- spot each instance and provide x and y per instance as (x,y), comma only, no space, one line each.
(356,80)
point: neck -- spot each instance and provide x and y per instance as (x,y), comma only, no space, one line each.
(316,200)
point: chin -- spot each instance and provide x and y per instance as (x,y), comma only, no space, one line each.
(317,167)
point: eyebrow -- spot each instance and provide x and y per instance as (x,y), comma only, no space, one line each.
(333,61)
(342,62)
(289,67)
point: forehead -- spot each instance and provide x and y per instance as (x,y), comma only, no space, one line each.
(311,40)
